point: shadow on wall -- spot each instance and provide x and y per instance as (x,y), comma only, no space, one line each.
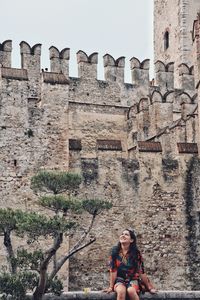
(192,209)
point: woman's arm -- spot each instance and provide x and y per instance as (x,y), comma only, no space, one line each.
(113,270)
(148,284)
(113,276)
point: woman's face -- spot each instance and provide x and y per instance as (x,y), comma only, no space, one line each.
(125,237)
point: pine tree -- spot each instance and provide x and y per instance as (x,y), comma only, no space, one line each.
(30,270)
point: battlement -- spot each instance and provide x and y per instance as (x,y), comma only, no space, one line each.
(140,71)
(59,60)
(152,107)
(88,64)
(160,112)
(164,74)
(114,69)
(5,53)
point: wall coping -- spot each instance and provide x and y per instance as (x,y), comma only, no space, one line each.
(99,295)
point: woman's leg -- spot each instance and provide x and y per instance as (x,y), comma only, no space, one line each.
(120,289)
(132,293)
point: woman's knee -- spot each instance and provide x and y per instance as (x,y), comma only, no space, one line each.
(121,292)
(132,293)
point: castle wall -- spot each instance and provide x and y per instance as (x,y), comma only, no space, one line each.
(134,145)
(147,190)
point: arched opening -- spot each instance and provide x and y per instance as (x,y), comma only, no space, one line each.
(166,40)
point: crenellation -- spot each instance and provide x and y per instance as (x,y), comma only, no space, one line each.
(186,77)
(168,97)
(140,71)
(114,69)
(183,105)
(185,69)
(153,115)
(164,75)
(156,96)
(30,57)
(87,65)
(5,53)
(30,60)
(6,46)
(59,60)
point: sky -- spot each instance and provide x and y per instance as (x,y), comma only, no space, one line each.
(116,27)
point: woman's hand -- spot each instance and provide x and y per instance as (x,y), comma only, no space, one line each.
(152,291)
(108,290)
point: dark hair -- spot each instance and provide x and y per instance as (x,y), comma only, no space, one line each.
(133,250)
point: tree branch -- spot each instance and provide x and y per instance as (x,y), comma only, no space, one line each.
(67,256)
(43,267)
(76,246)
(84,235)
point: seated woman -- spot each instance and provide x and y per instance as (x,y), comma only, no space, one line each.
(127,269)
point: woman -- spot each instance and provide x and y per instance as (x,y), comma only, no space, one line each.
(127,269)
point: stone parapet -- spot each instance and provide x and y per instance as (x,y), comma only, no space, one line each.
(79,295)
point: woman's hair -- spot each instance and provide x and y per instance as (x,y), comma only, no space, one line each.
(133,250)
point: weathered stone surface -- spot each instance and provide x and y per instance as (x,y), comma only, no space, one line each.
(91,295)
(135,144)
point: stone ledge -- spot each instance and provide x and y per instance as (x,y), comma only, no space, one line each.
(79,295)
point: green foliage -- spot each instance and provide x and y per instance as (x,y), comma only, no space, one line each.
(16,285)
(36,225)
(96,206)
(60,203)
(55,286)
(28,260)
(56,183)
(31,223)
(9,219)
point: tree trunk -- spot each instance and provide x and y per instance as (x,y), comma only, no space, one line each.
(9,249)
(39,292)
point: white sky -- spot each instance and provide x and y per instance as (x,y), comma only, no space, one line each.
(117,27)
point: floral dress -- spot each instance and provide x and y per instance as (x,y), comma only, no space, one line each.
(128,269)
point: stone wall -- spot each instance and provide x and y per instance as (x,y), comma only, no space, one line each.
(134,144)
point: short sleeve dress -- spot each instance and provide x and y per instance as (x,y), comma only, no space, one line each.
(128,268)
